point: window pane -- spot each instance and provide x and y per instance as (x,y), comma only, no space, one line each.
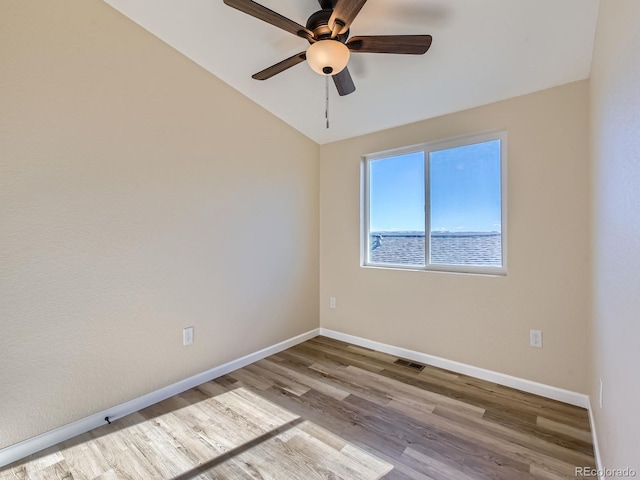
(396,210)
(465,205)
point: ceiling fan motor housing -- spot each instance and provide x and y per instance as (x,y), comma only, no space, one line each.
(318,23)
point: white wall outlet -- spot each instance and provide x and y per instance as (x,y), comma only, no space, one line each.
(332,302)
(535,338)
(601,395)
(187,336)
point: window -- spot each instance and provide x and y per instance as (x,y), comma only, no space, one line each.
(452,190)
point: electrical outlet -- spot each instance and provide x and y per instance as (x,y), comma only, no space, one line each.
(187,336)
(601,395)
(535,338)
(332,302)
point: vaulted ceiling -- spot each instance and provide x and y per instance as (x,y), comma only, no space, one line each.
(482,52)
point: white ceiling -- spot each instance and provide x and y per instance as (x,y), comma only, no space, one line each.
(482,52)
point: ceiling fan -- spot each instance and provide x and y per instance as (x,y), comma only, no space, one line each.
(327,30)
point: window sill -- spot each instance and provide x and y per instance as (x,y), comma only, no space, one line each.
(457,269)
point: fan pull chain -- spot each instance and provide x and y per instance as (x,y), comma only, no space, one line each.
(326,104)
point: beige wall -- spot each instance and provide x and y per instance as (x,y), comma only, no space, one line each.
(615,133)
(479,320)
(138,195)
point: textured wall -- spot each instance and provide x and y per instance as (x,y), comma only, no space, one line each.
(479,320)
(615,133)
(138,195)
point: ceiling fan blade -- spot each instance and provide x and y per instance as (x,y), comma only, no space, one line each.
(280,66)
(263,13)
(405,44)
(344,82)
(344,13)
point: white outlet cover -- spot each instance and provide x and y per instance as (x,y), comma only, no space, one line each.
(187,336)
(601,399)
(535,338)
(332,302)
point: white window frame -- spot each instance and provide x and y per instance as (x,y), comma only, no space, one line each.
(426,149)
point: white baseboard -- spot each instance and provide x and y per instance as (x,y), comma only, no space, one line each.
(596,446)
(32,445)
(566,396)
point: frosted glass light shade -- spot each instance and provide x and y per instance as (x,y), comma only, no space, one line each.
(328,57)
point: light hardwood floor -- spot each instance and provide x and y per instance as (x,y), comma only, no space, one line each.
(325,409)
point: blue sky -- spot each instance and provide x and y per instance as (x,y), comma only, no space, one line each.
(464,183)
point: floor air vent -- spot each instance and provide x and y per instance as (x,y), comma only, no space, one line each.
(407,363)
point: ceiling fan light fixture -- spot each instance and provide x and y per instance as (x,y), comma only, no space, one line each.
(328,57)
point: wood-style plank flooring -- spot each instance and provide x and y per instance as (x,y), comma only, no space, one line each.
(325,409)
